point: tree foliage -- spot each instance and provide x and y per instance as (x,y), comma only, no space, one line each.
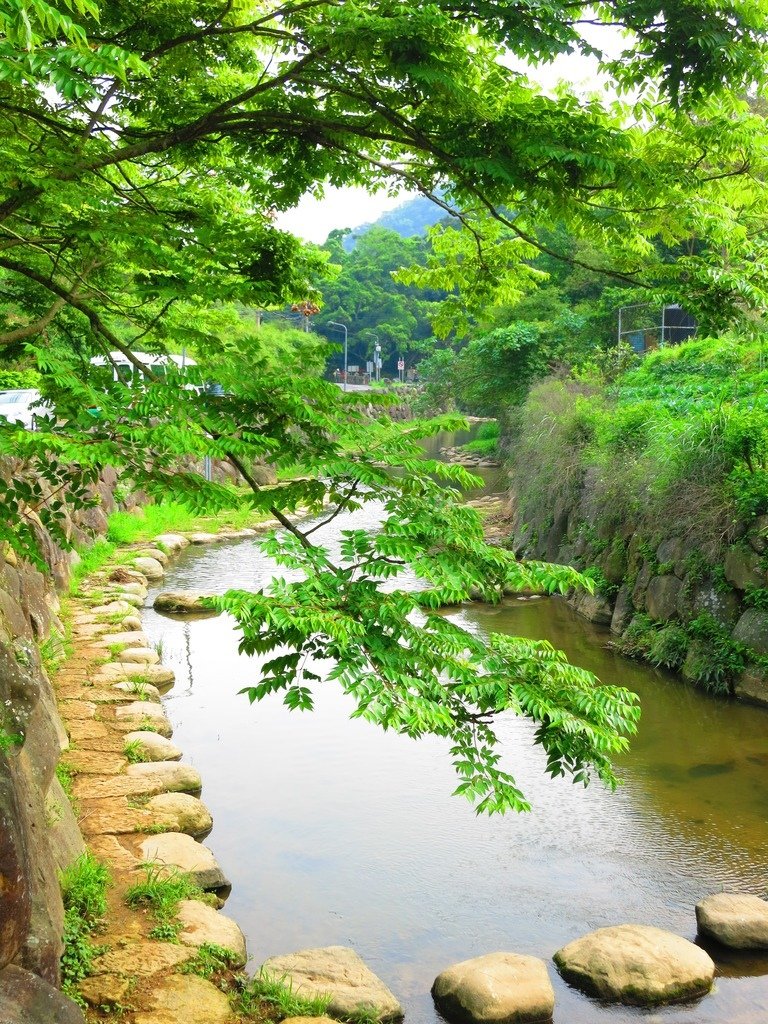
(144,151)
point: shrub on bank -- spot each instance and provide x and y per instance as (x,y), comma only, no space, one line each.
(683,436)
(659,478)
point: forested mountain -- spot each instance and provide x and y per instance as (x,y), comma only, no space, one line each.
(412,217)
(366,297)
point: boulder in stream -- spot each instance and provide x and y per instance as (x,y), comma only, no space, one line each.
(636,964)
(498,988)
(184,602)
(177,851)
(338,972)
(149,567)
(734,919)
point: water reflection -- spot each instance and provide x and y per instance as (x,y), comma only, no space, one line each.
(334,832)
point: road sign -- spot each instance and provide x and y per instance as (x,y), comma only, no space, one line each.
(401,364)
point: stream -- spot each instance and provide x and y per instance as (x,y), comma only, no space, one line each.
(333,832)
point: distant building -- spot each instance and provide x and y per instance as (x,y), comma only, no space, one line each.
(646,327)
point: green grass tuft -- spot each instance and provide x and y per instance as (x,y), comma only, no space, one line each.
(83,888)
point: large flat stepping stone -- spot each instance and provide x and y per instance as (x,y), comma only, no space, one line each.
(188,999)
(109,849)
(180,812)
(142,958)
(182,852)
(152,746)
(202,538)
(132,638)
(87,729)
(498,988)
(27,999)
(105,990)
(140,780)
(338,972)
(636,964)
(135,716)
(734,919)
(95,762)
(80,710)
(184,602)
(108,817)
(202,924)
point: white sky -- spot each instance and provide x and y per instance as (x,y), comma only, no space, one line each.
(312,219)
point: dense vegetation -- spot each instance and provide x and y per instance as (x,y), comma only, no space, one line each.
(145,149)
(364,295)
(671,455)
(682,436)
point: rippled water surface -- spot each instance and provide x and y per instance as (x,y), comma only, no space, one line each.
(333,832)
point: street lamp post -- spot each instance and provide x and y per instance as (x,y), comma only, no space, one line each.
(333,323)
(376,354)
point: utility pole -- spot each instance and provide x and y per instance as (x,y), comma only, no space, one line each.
(343,327)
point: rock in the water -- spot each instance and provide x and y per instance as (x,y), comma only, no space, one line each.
(139,655)
(114,608)
(752,685)
(152,746)
(149,567)
(156,553)
(169,776)
(202,924)
(144,690)
(158,675)
(734,919)
(180,851)
(140,713)
(202,538)
(752,630)
(188,999)
(173,542)
(636,964)
(27,999)
(180,812)
(184,602)
(498,988)
(338,972)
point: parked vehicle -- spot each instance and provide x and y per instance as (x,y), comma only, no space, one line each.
(123,369)
(22,407)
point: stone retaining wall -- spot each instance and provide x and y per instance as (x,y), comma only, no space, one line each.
(658,578)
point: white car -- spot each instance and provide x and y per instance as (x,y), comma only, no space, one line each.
(22,407)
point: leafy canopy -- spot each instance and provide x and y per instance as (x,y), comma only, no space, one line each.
(144,150)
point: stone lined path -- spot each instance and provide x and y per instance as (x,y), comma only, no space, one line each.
(108,693)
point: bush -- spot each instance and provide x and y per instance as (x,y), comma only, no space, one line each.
(83,888)
(19,380)
(715,658)
(668,647)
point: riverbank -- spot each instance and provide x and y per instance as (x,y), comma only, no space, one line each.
(657,483)
(160,932)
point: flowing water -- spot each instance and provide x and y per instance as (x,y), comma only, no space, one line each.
(335,833)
